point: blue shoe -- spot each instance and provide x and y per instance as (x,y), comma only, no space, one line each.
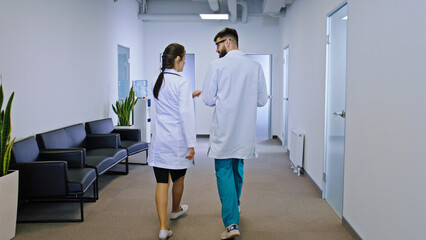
(231,231)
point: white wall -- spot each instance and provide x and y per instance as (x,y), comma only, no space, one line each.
(60,59)
(384,196)
(304,29)
(385,160)
(259,35)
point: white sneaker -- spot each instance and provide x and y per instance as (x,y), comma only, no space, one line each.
(231,231)
(176,215)
(164,234)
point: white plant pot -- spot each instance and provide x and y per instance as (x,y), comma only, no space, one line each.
(8,205)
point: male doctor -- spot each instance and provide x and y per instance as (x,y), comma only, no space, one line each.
(235,86)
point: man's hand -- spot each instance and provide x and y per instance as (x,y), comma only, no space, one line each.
(196,93)
(191,153)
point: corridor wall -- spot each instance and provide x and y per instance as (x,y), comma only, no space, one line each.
(60,59)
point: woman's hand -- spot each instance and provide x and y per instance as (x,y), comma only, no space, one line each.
(196,93)
(191,153)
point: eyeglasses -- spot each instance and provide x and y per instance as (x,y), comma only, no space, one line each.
(217,44)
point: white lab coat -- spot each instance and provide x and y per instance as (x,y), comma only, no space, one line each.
(235,85)
(174,126)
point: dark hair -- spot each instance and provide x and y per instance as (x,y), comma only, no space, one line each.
(168,61)
(227,32)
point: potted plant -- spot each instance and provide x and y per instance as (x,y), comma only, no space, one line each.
(123,108)
(8,179)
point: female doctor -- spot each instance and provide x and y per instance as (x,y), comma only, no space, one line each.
(173,138)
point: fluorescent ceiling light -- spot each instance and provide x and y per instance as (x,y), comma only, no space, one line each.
(214,16)
(345,18)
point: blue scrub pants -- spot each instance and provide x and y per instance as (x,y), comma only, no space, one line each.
(229,177)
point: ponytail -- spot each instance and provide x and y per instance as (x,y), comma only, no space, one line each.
(169,55)
(159,82)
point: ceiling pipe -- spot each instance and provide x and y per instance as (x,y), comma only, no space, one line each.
(244,12)
(214,5)
(273,7)
(232,7)
(142,8)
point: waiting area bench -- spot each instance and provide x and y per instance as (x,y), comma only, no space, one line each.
(64,163)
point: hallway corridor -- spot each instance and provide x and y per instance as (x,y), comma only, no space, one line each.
(275,204)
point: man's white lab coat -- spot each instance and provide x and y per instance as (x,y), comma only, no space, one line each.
(235,85)
(174,126)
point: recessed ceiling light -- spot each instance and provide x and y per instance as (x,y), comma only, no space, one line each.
(214,16)
(345,18)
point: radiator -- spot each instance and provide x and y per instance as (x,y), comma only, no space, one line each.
(297,143)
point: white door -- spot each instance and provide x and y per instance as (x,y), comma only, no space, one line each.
(123,55)
(189,69)
(334,142)
(123,71)
(263,123)
(285,98)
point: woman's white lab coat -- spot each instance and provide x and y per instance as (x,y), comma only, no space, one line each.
(174,126)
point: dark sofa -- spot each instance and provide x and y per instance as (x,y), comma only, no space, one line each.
(101,152)
(63,164)
(51,175)
(130,139)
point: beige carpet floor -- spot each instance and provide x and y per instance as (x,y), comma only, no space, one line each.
(276,204)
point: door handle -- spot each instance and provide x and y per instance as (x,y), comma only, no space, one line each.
(285,99)
(341,113)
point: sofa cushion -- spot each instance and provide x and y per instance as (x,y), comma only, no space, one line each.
(134,147)
(25,150)
(76,135)
(101,163)
(54,139)
(80,179)
(102,126)
(118,154)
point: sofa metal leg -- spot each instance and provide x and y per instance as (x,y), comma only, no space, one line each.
(81,209)
(95,193)
(146,154)
(96,189)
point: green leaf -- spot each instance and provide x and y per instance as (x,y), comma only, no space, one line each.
(5,132)
(114,109)
(124,108)
(7,157)
(1,96)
